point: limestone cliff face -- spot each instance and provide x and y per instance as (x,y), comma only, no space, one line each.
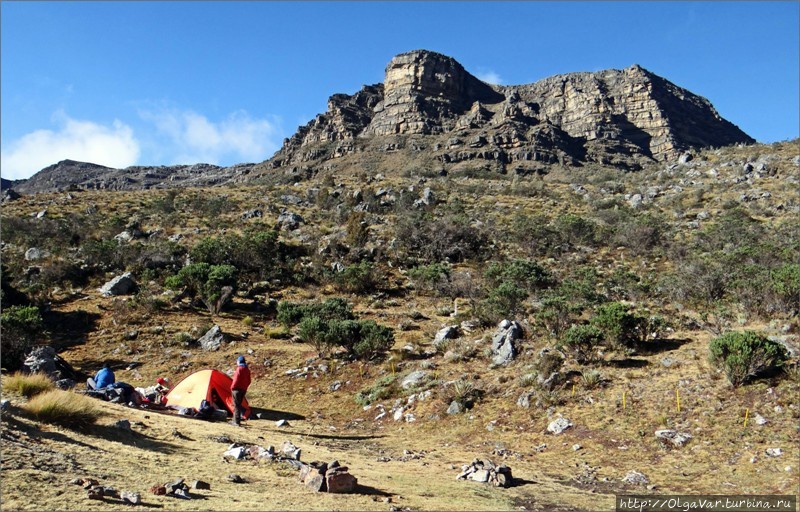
(424,93)
(620,117)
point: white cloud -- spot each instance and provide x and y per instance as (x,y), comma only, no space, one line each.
(490,77)
(191,137)
(84,141)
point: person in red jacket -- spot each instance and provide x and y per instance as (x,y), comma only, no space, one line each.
(241,381)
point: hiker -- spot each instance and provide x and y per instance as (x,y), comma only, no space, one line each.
(104,378)
(156,394)
(241,381)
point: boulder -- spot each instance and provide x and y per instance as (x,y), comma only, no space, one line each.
(672,438)
(201,485)
(288,221)
(120,285)
(252,214)
(504,342)
(559,425)
(414,379)
(237,452)
(447,333)
(34,253)
(634,477)
(212,339)
(455,407)
(339,481)
(134,498)
(45,360)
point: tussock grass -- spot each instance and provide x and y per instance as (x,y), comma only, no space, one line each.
(64,408)
(28,385)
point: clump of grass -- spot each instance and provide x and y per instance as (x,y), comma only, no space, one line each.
(247,321)
(28,385)
(591,379)
(64,408)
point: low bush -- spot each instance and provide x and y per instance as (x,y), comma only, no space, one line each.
(746,355)
(582,341)
(622,327)
(22,327)
(213,284)
(27,385)
(383,388)
(363,277)
(430,278)
(64,408)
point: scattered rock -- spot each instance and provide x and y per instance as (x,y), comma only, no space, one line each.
(4,405)
(414,379)
(134,498)
(576,447)
(120,285)
(672,439)
(235,452)
(122,424)
(252,214)
(774,452)
(282,423)
(212,339)
(201,485)
(158,490)
(559,425)
(447,333)
(486,471)
(34,253)
(291,451)
(43,359)
(288,221)
(760,420)
(635,478)
(233,477)
(504,340)
(455,407)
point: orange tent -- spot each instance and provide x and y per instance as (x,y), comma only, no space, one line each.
(203,385)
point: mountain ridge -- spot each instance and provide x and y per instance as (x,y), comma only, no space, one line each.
(439,117)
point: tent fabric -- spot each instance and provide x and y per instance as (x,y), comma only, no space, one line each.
(199,386)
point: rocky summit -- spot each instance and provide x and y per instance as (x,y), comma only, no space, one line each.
(430,114)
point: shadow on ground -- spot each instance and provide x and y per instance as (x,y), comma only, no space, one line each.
(257,413)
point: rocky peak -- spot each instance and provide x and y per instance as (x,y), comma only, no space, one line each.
(424,93)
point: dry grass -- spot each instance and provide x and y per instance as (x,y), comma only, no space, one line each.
(27,385)
(64,408)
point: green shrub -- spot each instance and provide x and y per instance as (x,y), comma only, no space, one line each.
(745,355)
(373,340)
(383,388)
(430,278)
(504,301)
(361,277)
(582,341)
(21,328)
(622,328)
(289,313)
(523,273)
(28,385)
(64,408)
(557,313)
(785,281)
(313,330)
(213,284)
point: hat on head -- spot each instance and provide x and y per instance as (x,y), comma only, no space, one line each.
(241,360)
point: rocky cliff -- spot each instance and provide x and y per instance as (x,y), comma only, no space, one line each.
(429,102)
(431,114)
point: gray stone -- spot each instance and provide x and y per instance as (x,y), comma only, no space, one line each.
(252,214)
(122,424)
(65,384)
(456,407)
(559,425)
(634,477)
(684,158)
(504,342)
(524,400)
(120,285)
(672,438)
(288,221)
(760,420)
(282,423)
(212,339)
(414,379)
(481,475)
(446,333)
(4,405)
(233,477)
(635,201)
(134,498)
(34,253)
(774,452)
(237,452)
(201,485)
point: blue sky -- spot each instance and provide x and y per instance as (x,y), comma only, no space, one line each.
(158,83)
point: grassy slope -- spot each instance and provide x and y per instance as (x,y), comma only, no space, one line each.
(39,460)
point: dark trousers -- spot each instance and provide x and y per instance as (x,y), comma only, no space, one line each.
(238,410)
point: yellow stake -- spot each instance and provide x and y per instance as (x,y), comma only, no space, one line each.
(746,414)
(392,368)
(573,389)
(623,400)
(678,399)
